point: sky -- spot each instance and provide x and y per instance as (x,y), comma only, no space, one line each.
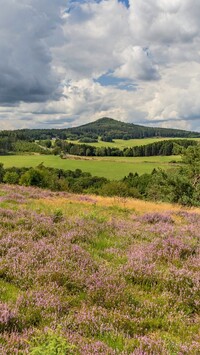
(68,62)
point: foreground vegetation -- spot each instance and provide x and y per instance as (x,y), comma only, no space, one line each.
(78,278)
(84,274)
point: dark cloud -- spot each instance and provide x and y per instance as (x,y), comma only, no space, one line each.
(58,121)
(27,32)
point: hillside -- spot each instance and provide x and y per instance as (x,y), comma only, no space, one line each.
(106,128)
(113,129)
(83,275)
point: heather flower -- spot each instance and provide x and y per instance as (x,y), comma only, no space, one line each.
(7,318)
(156,218)
(113,283)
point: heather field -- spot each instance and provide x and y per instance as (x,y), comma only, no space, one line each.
(86,275)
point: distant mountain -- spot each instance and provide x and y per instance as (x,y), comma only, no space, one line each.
(109,129)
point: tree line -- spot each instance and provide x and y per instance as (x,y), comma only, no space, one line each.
(105,128)
(62,147)
(13,145)
(166,147)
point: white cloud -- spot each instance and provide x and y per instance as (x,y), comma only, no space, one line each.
(164,21)
(137,64)
(95,33)
(51,58)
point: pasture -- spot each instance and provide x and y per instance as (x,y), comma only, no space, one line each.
(121,143)
(113,168)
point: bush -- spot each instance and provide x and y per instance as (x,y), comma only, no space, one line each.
(11,178)
(115,188)
(50,344)
(33,177)
(57,216)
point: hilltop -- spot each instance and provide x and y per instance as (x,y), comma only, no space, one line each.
(109,128)
(106,128)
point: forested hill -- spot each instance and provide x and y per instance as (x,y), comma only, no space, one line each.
(109,128)
(106,128)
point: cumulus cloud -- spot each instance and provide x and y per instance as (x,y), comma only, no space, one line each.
(179,96)
(95,33)
(165,21)
(137,64)
(54,52)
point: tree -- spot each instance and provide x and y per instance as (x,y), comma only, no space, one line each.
(128,152)
(88,152)
(33,177)
(2,171)
(191,157)
(48,143)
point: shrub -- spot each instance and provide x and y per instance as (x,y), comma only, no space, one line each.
(50,344)
(115,188)
(11,177)
(57,216)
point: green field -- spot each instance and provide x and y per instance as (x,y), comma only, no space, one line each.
(121,144)
(110,167)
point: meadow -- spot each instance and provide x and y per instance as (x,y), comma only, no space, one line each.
(121,143)
(113,168)
(85,275)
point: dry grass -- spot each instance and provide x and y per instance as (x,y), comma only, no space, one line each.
(139,206)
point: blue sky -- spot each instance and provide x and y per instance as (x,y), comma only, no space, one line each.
(108,79)
(126,2)
(65,63)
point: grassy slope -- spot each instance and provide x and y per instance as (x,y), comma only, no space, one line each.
(90,273)
(112,167)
